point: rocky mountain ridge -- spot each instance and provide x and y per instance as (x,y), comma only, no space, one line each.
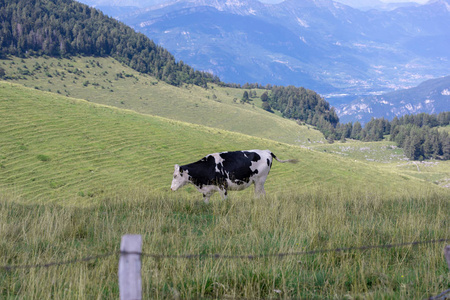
(431,96)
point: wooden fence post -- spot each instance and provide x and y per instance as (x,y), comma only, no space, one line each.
(130,283)
(447,255)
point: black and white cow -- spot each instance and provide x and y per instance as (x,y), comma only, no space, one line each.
(225,171)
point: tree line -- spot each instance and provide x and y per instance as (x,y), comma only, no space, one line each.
(416,134)
(301,104)
(420,138)
(63,28)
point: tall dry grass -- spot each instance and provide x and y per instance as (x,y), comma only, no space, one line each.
(180,224)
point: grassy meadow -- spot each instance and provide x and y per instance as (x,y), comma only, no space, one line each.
(75,176)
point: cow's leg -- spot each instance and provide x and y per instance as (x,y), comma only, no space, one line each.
(259,188)
(206,198)
(208,194)
(223,192)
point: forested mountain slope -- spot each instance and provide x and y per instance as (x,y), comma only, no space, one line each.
(66,27)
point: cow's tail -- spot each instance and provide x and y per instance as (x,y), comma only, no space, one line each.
(292,161)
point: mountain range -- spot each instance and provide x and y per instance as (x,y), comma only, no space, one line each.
(320,44)
(348,55)
(431,96)
(115,6)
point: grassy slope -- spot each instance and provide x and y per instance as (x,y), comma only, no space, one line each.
(62,149)
(96,80)
(75,153)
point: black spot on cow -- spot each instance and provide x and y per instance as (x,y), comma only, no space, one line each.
(237,165)
(202,172)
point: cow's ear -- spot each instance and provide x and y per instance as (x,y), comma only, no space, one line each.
(177,168)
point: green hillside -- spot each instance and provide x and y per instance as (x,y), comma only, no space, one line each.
(55,148)
(75,176)
(106,81)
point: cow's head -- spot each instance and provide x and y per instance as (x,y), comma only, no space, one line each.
(180,178)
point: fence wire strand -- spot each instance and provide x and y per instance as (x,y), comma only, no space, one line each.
(441,295)
(282,255)
(222,256)
(58,263)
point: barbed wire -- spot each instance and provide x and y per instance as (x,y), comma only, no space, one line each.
(221,256)
(59,263)
(441,295)
(281,255)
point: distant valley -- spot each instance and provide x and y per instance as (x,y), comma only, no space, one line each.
(322,45)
